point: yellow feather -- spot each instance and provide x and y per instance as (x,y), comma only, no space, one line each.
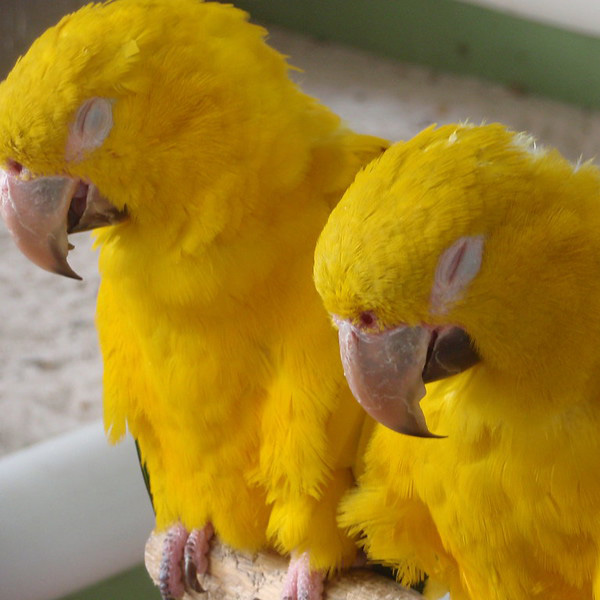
(507,506)
(218,355)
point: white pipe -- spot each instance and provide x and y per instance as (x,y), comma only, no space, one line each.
(73,511)
(582,16)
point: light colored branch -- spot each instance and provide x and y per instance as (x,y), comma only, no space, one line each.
(239,576)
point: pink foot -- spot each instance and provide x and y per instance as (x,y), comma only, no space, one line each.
(300,582)
(184,557)
(195,556)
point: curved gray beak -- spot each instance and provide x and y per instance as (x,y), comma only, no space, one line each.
(40,213)
(386,370)
(384,374)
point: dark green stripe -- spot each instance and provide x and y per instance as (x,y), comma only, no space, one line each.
(452,36)
(130,585)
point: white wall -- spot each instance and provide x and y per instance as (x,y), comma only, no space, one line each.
(582,16)
(73,511)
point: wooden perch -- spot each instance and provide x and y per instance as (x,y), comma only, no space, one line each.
(239,576)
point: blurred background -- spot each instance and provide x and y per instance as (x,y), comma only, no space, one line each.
(388,67)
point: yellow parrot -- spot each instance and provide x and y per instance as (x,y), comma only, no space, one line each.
(468,259)
(173,126)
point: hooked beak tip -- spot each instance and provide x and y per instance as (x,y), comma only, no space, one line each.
(66,271)
(420,433)
(61,266)
(410,420)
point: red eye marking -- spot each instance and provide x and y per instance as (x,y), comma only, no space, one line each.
(13,167)
(367,319)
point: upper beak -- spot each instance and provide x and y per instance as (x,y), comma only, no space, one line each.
(386,370)
(40,212)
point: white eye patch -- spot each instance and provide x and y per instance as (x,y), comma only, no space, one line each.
(91,127)
(457,267)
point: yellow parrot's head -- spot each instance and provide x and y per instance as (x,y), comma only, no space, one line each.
(125,110)
(464,246)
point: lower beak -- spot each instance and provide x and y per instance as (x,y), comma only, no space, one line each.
(41,212)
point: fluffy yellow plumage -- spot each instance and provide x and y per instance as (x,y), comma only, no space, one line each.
(507,506)
(218,355)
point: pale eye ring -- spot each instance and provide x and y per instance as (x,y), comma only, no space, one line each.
(93,122)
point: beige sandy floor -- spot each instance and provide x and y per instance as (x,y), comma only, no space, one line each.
(50,369)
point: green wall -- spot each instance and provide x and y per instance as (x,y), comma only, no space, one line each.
(452,36)
(130,585)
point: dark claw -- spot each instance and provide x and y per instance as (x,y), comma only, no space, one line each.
(190,569)
(191,577)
